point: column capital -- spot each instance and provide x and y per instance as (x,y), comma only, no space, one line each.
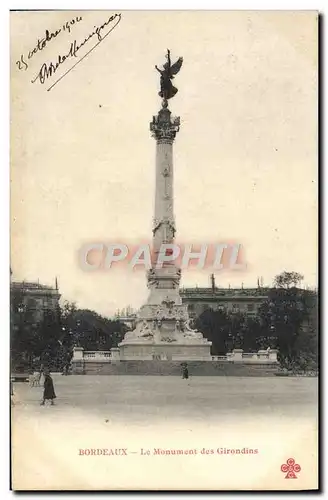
(164,127)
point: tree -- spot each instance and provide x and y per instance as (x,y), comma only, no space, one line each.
(23,339)
(89,330)
(286,316)
(47,340)
(227,331)
(307,343)
(215,326)
(286,279)
(255,335)
(50,339)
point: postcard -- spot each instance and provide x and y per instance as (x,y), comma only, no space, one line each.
(164,224)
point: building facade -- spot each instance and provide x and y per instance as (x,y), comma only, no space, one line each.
(35,298)
(233,300)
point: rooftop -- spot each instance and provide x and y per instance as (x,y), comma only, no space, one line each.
(232,292)
(29,285)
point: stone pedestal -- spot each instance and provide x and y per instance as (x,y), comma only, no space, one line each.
(273,353)
(263,354)
(237,355)
(78,361)
(115,355)
(164,352)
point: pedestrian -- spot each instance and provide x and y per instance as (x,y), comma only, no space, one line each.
(41,373)
(31,377)
(185,372)
(49,391)
(66,369)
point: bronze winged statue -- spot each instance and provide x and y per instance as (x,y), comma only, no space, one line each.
(167,74)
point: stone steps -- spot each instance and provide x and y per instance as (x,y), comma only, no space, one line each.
(167,368)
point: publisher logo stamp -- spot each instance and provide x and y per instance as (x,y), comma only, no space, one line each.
(290,467)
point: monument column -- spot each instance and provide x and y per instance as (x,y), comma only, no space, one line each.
(164,130)
(164,282)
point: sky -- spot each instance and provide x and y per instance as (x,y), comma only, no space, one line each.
(83,160)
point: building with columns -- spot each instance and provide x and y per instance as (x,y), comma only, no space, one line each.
(233,300)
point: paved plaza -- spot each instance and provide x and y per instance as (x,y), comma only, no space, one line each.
(276,415)
(157,398)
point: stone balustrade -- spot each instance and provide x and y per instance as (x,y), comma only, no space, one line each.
(97,354)
(237,362)
(262,356)
(81,357)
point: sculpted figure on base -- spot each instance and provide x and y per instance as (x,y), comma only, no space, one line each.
(167,74)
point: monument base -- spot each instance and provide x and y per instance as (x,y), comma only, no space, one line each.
(173,368)
(140,359)
(163,332)
(165,351)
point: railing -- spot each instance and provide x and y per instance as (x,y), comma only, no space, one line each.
(237,355)
(97,354)
(131,318)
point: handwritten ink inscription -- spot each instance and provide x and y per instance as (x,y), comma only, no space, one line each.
(48,70)
(22,63)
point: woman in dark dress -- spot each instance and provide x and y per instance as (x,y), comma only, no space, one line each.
(49,391)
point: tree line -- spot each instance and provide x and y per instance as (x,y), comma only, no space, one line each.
(49,340)
(287,321)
